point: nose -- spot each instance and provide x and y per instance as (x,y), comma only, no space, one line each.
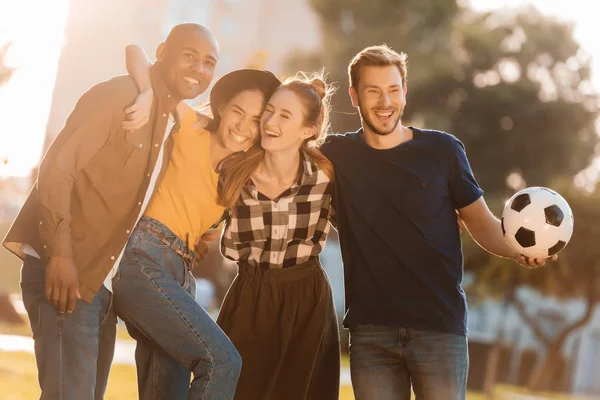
(384,100)
(242,124)
(266,119)
(198,67)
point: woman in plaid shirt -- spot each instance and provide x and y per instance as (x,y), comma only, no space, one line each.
(279,311)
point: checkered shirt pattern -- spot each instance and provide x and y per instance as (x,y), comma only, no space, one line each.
(283,232)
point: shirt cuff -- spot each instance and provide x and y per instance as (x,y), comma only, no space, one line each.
(58,245)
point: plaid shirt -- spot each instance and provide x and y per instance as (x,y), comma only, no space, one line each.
(283,232)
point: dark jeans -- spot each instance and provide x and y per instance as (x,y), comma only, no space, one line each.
(73,351)
(154,294)
(385,361)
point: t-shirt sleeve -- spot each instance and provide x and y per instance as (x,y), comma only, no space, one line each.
(329,145)
(464,188)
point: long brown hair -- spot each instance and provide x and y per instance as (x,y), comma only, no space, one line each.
(315,94)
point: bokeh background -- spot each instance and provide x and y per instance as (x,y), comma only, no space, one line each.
(517,81)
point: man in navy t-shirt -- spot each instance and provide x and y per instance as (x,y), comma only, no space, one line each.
(398,190)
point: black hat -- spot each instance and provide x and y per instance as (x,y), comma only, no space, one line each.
(238,80)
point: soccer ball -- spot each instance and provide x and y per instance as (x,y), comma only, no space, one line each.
(537,222)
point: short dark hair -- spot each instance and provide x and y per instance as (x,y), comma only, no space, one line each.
(377,56)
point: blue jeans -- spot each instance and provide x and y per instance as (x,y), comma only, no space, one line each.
(154,294)
(385,361)
(73,351)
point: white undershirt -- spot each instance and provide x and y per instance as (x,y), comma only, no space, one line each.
(149,191)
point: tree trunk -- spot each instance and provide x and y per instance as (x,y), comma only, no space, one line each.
(543,376)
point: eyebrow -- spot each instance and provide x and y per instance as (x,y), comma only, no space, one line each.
(287,111)
(235,106)
(193,50)
(378,87)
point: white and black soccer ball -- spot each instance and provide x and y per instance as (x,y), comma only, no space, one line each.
(537,222)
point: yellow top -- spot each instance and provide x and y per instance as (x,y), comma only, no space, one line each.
(186,198)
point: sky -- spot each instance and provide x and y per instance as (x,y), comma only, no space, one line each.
(38,37)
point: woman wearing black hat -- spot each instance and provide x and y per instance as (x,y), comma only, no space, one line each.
(279,312)
(154,289)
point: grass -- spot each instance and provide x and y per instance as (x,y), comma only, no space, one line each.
(18,377)
(18,380)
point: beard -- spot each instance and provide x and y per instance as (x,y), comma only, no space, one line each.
(371,124)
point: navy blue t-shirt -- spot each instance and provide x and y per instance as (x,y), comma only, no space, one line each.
(400,241)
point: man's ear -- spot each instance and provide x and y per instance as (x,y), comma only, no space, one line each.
(353,96)
(160,52)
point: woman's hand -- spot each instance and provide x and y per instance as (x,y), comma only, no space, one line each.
(138,114)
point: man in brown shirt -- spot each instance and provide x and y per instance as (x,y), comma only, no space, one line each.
(93,185)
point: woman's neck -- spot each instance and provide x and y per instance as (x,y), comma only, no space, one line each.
(282,167)
(218,152)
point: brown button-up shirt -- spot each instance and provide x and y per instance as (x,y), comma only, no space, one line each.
(92,181)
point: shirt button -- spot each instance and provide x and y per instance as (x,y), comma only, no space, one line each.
(168,96)
(45,246)
(424,184)
(155,144)
(41,223)
(164,115)
(112,258)
(148,174)
(275,231)
(139,203)
(140,145)
(127,231)
(274,255)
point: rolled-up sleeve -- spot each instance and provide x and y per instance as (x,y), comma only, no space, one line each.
(86,131)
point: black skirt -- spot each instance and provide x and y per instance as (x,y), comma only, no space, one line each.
(283,323)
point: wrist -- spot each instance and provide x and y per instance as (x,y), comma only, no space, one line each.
(147,91)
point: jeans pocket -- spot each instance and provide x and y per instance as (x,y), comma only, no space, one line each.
(33,273)
(190,284)
(117,277)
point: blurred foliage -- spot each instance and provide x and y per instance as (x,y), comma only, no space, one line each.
(514,87)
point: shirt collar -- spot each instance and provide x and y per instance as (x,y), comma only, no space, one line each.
(160,88)
(308,170)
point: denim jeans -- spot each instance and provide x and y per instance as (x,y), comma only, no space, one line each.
(385,361)
(73,351)
(154,294)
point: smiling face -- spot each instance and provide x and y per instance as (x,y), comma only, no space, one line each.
(283,122)
(187,61)
(240,120)
(380,98)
